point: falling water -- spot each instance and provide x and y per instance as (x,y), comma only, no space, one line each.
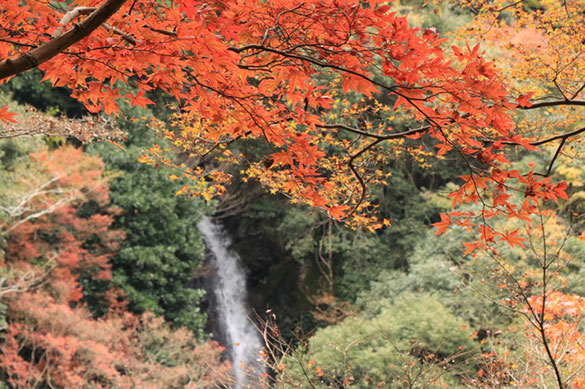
(229,288)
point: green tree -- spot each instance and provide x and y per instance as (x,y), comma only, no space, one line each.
(27,88)
(404,346)
(163,249)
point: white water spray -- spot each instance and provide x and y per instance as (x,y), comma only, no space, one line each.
(243,341)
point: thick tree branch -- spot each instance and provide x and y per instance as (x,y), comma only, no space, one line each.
(50,49)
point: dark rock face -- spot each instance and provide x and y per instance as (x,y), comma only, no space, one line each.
(274,277)
(204,280)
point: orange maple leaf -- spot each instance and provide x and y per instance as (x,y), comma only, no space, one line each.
(7,116)
(512,238)
(139,100)
(443,224)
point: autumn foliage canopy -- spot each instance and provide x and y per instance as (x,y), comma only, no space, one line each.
(271,71)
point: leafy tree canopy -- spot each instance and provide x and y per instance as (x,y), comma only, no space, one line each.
(253,76)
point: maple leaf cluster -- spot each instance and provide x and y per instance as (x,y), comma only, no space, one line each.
(271,72)
(242,70)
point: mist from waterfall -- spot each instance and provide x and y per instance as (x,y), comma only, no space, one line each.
(229,287)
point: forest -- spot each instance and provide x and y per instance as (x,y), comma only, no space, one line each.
(286,194)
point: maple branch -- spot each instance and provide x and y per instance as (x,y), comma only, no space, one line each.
(563,139)
(15,43)
(541,317)
(356,173)
(379,139)
(318,63)
(559,88)
(393,89)
(53,47)
(277,21)
(502,9)
(78,11)
(547,140)
(556,137)
(375,136)
(554,158)
(555,103)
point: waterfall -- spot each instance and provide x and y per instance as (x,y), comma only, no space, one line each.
(229,287)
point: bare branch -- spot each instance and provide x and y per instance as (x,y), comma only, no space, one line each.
(20,208)
(27,281)
(40,213)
